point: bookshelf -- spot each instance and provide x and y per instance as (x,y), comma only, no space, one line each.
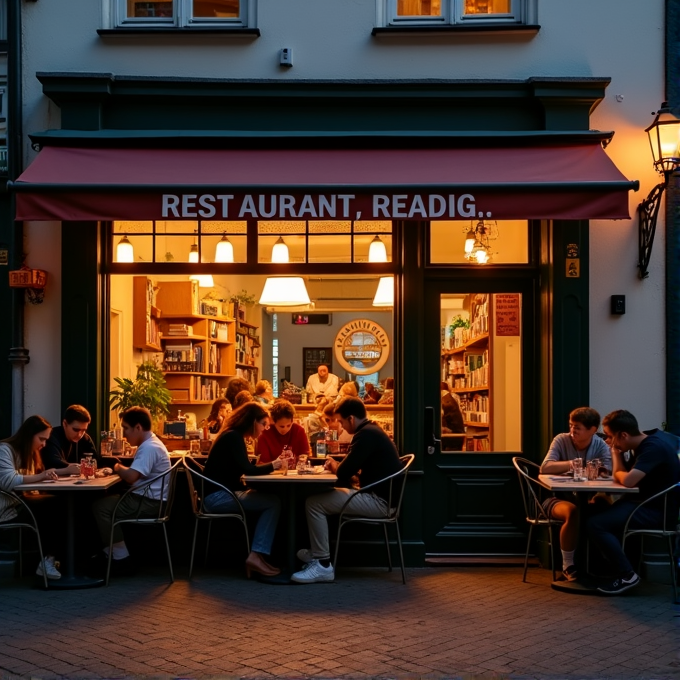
(145,315)
(466,367)
(247,351)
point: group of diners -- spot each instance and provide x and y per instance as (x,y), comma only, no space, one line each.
(647,460)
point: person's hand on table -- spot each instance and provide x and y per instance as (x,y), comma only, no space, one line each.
(331,465)
(72,469)
(276,464)
(47,474)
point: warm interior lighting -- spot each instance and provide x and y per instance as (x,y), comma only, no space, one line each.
(469,242)
(280,252)
(124,251)
(204,280)
(284,291)
(224,250)
(384,296)
(477,242)
(193,254)
(377,251)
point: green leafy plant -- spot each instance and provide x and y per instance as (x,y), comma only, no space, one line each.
(243,297)
(458,322)
(147,389)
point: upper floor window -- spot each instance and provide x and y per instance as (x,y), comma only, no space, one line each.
(456,12)
(181,13)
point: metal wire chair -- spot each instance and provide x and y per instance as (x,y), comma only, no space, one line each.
(395,498)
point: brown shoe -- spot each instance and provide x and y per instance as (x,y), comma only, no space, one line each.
(256,563)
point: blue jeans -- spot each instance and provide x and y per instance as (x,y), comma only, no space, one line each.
(605,530)
(268,505)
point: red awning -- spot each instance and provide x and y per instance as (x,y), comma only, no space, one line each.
(570,181)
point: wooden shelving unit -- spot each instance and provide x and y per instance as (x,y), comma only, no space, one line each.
(247,351)
(145,315)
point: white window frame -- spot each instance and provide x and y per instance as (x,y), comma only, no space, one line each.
(181,17)
(522,12)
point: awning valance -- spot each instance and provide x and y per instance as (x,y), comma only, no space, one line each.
(561,181)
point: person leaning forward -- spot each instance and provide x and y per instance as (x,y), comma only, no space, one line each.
(69,442)
(151,460)
(372,456)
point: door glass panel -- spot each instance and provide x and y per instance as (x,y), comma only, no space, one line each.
(481,372)
(419,8)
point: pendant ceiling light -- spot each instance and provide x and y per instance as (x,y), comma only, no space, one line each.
(384,296)
(469,242)
(478,242)
(280,252)
(284,291)
(224,250)
(124,251)
(193,254)
(377,251)
(204,280)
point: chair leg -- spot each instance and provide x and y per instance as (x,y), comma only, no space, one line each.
(526,556)
(21,553)
(207,544)
(245,529)
(193,547)
(552,552)
(387,546)
(674,582)
(401,553)
(108,562)
(337,545)
(167,549)
(40,553)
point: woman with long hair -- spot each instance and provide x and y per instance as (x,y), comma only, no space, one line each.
(315,422)
(284,432)
(227,462)
(218,414)
(20,463)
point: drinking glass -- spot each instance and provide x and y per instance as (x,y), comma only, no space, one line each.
(591,469)
(577,467)
(194,447)
(284,465)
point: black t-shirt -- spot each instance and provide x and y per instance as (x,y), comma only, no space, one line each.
(657,457)
(59,451)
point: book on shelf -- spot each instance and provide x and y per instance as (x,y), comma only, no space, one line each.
(219,331)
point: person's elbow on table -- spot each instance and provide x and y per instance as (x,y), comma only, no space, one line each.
(630,479)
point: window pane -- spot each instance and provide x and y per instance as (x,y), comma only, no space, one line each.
(481,390)
(330,248)
(142,249)
(133,227)
(176,227)
(295,245)
(176,248)
(149,9)
(419,8)
(506,241)
(488,6)
(362,245)
(209,246)
(216,9)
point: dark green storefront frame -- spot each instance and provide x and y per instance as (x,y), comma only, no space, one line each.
(99,109)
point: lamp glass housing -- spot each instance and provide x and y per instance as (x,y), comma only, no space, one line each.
(384,295)
(193,254)
(224,250)
(284,291)
(124,251)
(664,140)
(280,252)
(377,251)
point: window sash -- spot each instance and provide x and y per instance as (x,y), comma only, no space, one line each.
(453,12)
(182,15)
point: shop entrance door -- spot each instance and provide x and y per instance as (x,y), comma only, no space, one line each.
(480,373)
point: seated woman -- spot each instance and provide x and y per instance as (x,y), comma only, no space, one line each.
(228,460)
(315,422)
(20,463)
(264,392)
(218,414)
(335,424)
(242,397)
(371,395)
(285,432)
(348,389)
(388,394)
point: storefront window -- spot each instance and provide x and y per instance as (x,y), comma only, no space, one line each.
(479,242)
(481,372)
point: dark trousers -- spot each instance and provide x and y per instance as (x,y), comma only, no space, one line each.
(605,531)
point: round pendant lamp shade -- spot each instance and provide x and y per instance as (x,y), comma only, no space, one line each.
(384,296)
(224,250)
(284,291)
(124,251)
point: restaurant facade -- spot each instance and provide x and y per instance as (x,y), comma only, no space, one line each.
(498,201)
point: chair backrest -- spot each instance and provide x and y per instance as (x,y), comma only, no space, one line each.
(670,522)
(168,481)
(197,483)
(532,489)
(8,499)
(397,485)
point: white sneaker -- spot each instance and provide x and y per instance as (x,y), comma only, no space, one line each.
(50,568)
(314,572)
(305,555)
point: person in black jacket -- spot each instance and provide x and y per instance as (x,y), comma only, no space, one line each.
(69,442)
(227,462)
(372,456)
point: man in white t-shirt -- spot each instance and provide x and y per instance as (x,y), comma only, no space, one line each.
(151,460)
(322,383)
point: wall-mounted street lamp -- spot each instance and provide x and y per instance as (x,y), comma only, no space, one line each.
(664,139)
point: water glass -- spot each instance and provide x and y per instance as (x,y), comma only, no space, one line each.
(577,467)
(591,469)
(284,466)
(194,447)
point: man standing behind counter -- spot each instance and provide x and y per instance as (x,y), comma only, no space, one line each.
(69,442)
(322,384)
(372,456)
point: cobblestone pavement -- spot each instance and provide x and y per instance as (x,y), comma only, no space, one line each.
(445,623)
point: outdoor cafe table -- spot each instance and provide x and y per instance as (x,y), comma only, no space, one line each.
(70,487)
(290,483)
(565,483)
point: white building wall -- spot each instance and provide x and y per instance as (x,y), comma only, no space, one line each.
(331,39)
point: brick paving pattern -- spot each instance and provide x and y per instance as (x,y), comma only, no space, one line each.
(445,623)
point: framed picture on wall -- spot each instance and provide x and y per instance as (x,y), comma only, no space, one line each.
(312,357)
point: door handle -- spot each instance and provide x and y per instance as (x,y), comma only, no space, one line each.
(431,442)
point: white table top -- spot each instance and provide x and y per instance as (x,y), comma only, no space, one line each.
(558,483)
(70,484)
(292,476)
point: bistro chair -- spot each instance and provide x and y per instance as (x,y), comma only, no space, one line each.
(397,483)
(533,493)
(168,480)
(670,530)
(197,483)
(15,499)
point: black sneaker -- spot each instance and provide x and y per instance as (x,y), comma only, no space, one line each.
(570,573)
(620,585)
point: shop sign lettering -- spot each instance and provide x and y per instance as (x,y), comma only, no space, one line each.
(362,347)
(320,206)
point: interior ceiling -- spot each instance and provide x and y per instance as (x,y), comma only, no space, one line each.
(338,294)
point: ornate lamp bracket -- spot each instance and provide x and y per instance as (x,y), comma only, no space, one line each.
(648,212)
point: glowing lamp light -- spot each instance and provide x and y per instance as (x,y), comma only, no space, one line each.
(224,250)
(204,280)
(193,254)
(377,251)
(469,242)
(284,291)
(124,251)
(664,139)
(280,252)
(384,295)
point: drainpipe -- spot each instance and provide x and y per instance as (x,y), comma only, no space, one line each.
(18,354)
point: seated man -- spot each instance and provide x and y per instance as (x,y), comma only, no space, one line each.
(322,384)
(372,456)
(151,459)
(654,466)
(579,442)
(69,442)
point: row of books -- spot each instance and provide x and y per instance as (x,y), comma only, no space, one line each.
(180,330)
(249,374)
(204,389)
(214,360)
(477,444)
(183,358)
(219,331)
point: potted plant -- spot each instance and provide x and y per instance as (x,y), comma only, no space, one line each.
(147,389)
(457,322)
(240,300)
